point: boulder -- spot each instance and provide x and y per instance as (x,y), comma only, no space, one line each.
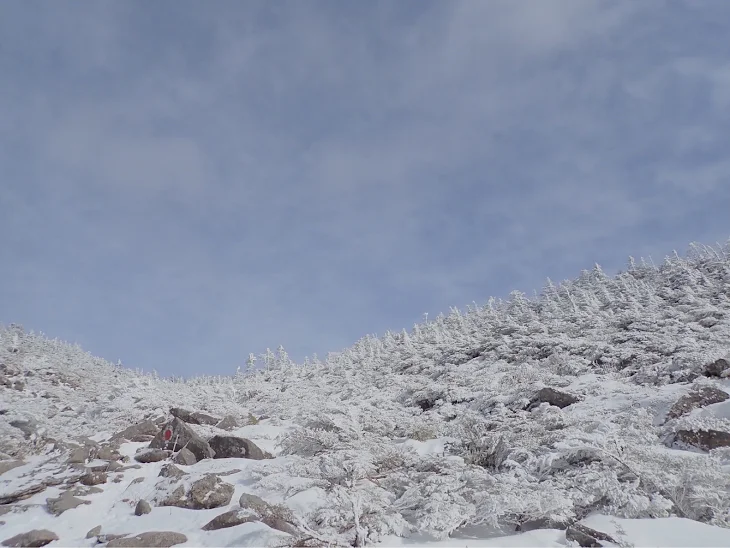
(231,518)
(84,491)
(143,507)
(152,539)
(716,368)
(93,478)
(701,397)
(78,456)
(254,504)
(206,493)
(7,465)
(703,439)
(193,417)
(542,523)
(32,539)
(280,524)
(552,397)
(210,492)
(27,427)
(66,501)
(152,455)
(233,447)
(95,532)
(176,434)
(228,423)
(142,438)
(587,537)
(184,457)
(171,471)
(108,453)
(142,428)
(23,493)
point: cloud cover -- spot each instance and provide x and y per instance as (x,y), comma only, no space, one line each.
(185,182)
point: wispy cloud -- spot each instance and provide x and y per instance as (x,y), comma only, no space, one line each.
(184,184)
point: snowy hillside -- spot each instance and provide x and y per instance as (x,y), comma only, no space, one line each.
(594,414)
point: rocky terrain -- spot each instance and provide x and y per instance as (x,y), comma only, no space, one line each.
(571,419)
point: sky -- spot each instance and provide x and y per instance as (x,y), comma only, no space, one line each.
(183,183)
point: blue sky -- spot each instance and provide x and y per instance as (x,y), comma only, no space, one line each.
(183,183)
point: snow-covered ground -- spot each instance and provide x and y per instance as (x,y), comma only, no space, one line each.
(603,403)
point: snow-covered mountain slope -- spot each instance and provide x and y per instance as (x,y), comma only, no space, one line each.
(602,403)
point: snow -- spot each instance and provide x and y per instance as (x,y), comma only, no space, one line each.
(355,453)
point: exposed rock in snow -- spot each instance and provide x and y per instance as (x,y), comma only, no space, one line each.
(704,439)
(232,518)
(94,478)
(193,417)
(551,396)
(67,501)
(146,427)
(176,434)
(152,455)
(587,537)
(171,471)
(152,539)
(143,507)
(203,494)
(228,422)
(32,539)
(227,447)
(716,368)
(701,397)
(185,457)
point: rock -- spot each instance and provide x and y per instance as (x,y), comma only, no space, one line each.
(206,493)
(52,482)
(142,438)
(703,439)
(143,428)
(108,453)
(280,524)
(193,417)
(95,532)
(22,494)
(171,471)
(33,539)
(99,467)
(210,492)
(233,447)
(152,455)
(716,368)
(78,456)
(228,472)
(5,510)
(254,503)
(542,523)
(93,478)
(152,539)
(587,537)
(552,397)
(176,435)
(101,539)
(228,422)
(231,518)
(185,457)
(7,465)
(66,501)
(143,507)
(27,427)
(113,466)
(703,396)
(83,491)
